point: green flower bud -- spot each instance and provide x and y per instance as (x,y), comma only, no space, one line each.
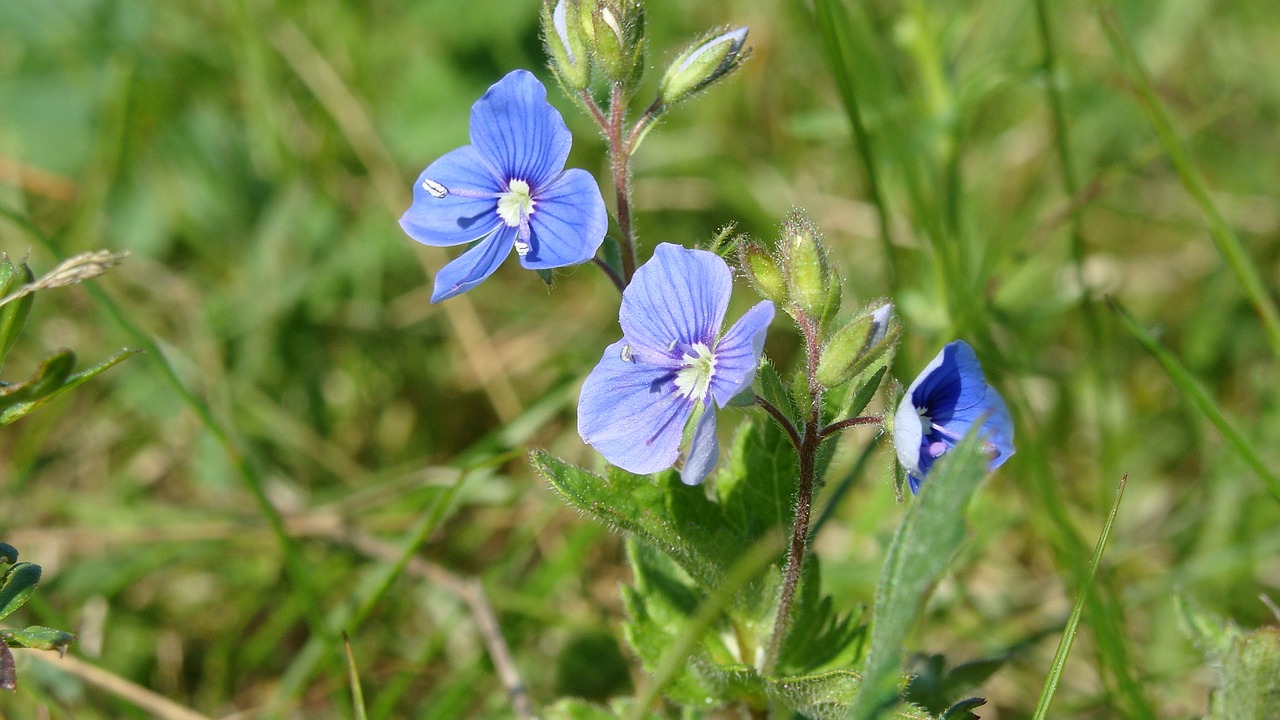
(617,38)
(763,272)
(854,347)
(808,275)
(707,59)
(562,35)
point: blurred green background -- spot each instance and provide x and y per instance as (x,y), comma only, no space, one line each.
(254,155)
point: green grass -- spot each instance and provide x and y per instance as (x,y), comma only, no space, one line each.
(254,156)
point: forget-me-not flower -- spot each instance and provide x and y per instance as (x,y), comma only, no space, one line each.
(671,363)
(508,188)
(940,407)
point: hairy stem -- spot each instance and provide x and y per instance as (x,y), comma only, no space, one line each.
(807,450)
(836,427)
(620,164)
(616,279)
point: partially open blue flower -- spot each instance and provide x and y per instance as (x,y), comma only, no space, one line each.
(670,364)
(940,407)
(508,188)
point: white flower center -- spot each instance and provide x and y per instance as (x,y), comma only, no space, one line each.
(694,378)
(515,204)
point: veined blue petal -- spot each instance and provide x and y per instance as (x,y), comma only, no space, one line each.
(473,266)
(680,295)
(517,131)
(568,222)
(704,450)
(942,405)
(631,414)
(453,219)
(738,354)
(951,384)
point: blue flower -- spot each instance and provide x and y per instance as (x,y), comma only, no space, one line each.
(670,364)
(948,397)
(508,188)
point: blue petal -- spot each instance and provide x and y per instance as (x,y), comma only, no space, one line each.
(631,413)
(473,266)
(704,451)
(518,132)
(738,353)
(679,296)
(951,386)
(908,437)
(568,222)
(453,220)
(997,429)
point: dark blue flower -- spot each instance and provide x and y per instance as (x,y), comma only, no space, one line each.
(670,364)
(508,188)
(940,407)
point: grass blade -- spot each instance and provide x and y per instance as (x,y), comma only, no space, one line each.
(1195,392)
(1073,622)
(1229,245)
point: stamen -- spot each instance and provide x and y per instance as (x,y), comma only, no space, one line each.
(626,353)
(434,188)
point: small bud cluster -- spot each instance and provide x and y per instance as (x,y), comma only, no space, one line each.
(607,36)
(798,277)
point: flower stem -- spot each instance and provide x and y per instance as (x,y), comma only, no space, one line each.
(836,427)
(609,272)
(807,450)
(620,163)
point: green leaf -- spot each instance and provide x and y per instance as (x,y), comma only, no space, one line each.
(13,315)
(658,509)
(757,487)
(37,637)
(866,386)
(935,687)
(51,380)
(574,709)
(819,637)
(8,556)
(825,695)
(775,391)
(19,583)
(1248,664)
(919,554)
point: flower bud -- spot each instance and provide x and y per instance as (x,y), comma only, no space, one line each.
(854,347)
(763,272)
(562,34)
(707,59)
(617,38)
(808,275)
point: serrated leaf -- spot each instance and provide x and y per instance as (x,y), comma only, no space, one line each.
(659,509)
(32,400)
(775,391)
(932,530)
(819,638)
(659,607)
(825,695)
(13,315)
(935,687)
(19,583)
(37,637)
(757,487)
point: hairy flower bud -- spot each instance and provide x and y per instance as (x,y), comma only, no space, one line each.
(562,34)
(617,38)
(808,274)
(763,272)
(707,59)
(854,347)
